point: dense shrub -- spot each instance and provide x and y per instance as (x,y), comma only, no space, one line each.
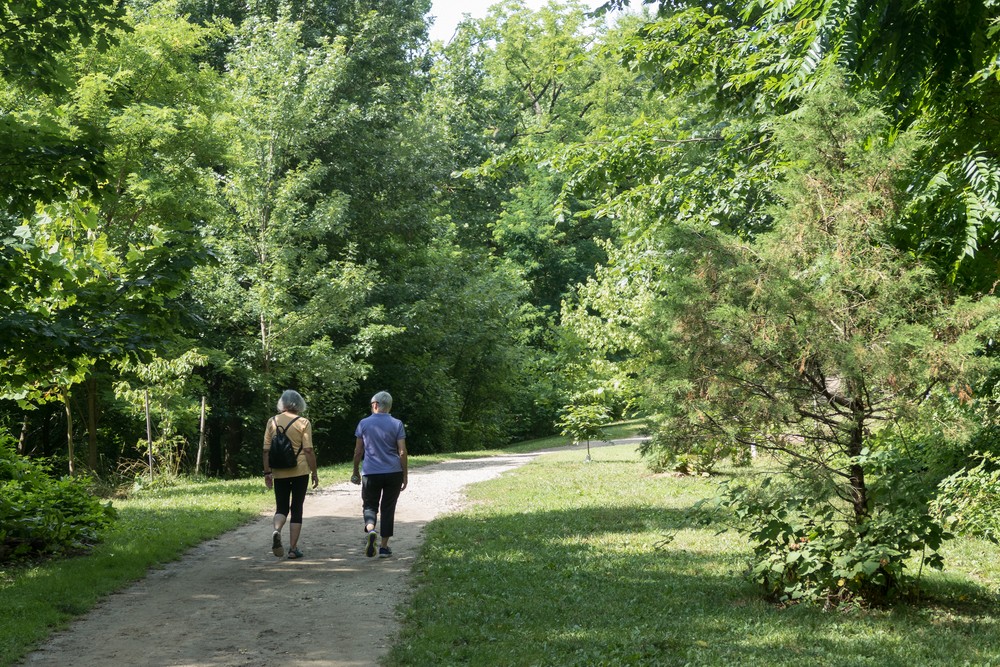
(806,548)
(41,515)
(968,501)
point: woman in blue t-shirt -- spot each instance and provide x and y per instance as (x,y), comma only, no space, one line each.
(380,440)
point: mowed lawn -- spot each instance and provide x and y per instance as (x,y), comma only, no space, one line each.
(564,562)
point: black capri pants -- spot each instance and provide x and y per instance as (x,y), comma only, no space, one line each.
(380,492)
(290,494)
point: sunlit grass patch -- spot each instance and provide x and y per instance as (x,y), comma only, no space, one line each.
(567,562)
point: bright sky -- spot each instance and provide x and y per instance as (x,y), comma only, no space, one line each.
(449,13)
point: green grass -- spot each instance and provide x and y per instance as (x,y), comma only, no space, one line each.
(563,562)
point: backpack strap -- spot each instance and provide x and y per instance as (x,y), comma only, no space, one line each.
(284,429)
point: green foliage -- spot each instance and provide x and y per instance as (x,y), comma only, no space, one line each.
(41,515)
(968,501)
(932,62)
(92,279)
(33,34)
(287,295)
(45,156)
(808,549)
(818,342)
(584,422)
(59,305)
(466,330)
(168,385)
(686,451)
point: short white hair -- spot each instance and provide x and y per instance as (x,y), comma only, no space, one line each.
(384,400)
(292,401)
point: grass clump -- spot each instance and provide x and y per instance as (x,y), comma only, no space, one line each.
(563,562)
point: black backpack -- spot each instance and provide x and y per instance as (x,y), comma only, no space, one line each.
(282,454)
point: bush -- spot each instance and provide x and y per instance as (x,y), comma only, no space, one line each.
(968,501)
(41,515)
(809,547)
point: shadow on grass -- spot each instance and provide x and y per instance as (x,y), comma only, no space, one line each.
(589,586)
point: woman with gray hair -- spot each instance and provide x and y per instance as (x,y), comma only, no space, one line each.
(290,484)
(380,440)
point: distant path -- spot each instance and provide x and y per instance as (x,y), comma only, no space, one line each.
(229,602)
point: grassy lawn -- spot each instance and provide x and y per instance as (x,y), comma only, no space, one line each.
(563,562)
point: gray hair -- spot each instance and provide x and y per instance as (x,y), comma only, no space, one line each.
(292,401)
(384,401)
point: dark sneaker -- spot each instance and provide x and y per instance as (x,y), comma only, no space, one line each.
(370,544)
(384,552)
(276,547)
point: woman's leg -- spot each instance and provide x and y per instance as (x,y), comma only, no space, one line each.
(299,485)
(282,496)
(371,491)
(282,492)
(391,486)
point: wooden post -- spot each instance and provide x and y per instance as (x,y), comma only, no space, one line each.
(22,442)
(149,436)
(201,438)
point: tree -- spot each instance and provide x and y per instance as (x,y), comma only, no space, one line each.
(166,383)
(584,422)
(286,295)
(105,264)
(514,87)
(824,346)
(530,82)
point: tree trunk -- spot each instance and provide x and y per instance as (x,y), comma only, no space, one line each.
(201,438)
(149,436)
(265,353)
(859,491)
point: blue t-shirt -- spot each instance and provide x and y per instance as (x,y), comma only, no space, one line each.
(380,431)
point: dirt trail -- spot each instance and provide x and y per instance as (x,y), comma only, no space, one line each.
(230,602)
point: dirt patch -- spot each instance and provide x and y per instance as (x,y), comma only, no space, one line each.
(230,602)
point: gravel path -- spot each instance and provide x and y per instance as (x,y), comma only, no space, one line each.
(230,602)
